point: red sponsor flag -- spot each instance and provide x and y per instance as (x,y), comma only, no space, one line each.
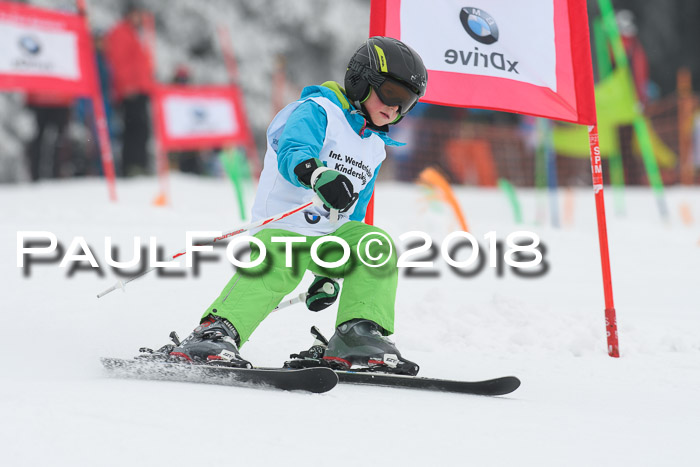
(531,57)
(43,50)
(51,52)
(199,117)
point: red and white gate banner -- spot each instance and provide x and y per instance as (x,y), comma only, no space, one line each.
(199,117)
(43,50)
(530,57)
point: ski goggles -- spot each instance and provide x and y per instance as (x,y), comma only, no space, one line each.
(392,92)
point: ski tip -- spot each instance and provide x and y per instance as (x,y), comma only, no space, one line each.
(504,385)
(324,379)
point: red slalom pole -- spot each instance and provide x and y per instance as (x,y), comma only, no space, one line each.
(232,70)
(99,111)
(162,166)
(597,169)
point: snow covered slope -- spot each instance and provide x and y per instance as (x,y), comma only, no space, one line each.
(576,406)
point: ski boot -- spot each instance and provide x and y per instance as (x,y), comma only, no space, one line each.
(357,345)
(214,341)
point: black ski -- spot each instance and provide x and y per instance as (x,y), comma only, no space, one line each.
(315,380)
(489,387)
(396,376)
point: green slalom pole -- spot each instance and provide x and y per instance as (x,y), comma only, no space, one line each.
(602,53)
(605,68)
(235,166)
(652,168)
(509,191)
(640,126)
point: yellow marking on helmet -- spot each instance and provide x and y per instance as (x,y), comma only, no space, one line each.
(368,94)
(382,59)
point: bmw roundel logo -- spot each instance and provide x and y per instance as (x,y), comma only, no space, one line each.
(479,25)
(199,114)
(30,45)
(311,218)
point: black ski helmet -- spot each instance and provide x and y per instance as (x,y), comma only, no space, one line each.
(383,60)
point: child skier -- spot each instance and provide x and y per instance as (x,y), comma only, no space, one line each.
(330,143)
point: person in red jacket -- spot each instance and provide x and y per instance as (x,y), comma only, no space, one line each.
(131,67)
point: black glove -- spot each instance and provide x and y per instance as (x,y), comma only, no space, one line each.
(334,189)
(322,293)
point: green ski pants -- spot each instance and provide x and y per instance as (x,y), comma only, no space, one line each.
(367,292)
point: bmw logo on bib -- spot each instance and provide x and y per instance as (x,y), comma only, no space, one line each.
(311,218)
(479,25)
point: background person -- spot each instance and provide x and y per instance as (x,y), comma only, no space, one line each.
(131,67)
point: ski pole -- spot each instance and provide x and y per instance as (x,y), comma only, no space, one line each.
(316,201)
(328,288)
(292,301)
